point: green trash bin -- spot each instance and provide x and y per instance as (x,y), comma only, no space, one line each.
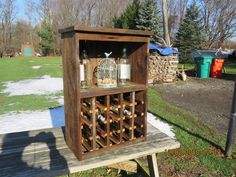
(203,65)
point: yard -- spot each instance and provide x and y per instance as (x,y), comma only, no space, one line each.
(201,144)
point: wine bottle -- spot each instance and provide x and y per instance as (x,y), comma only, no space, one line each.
(100,117)
(124,69)
(85,70)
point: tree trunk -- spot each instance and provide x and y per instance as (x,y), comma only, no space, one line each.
(165,22)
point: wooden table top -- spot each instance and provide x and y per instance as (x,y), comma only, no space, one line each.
(45,153)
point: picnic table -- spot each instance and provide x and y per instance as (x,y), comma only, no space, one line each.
(45,153)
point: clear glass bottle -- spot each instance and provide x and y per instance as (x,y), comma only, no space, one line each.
(124,69)
(85,70)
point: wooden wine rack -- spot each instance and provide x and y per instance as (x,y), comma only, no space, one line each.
(110,120)
(99,119)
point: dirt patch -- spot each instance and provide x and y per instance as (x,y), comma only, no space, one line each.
(209,99)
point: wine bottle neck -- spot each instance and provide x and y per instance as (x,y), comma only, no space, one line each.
(124,56)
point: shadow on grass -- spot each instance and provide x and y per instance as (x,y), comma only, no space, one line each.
(191,73)
(227,76)
(191,133)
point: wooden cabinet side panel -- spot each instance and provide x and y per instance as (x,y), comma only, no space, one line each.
(139,74)
(70,79)
(139,61)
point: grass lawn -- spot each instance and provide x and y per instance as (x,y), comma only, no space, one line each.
(16,69)
(201,148)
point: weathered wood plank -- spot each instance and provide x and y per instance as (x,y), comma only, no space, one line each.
(152,165)
(130,166)
(34,147)
(50,157)
(14,137)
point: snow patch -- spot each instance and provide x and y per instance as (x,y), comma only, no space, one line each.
(61,100)
(12,104)
(36,67)
(54,117)
(39,86)
(162,126)
(31,120)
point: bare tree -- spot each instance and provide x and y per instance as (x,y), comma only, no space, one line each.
(165,22)
(182,8)
(1,26)
(23,33)
(173,17)
(219,19)
(8,16)
(66,12)
(59,13)
(176,11)
(107,9)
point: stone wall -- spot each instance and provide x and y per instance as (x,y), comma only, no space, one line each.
(162,68)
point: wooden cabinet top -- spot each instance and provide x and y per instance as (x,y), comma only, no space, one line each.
(99,30)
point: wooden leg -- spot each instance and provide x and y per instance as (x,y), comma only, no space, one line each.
(129,166)
(152,165)
(224,69)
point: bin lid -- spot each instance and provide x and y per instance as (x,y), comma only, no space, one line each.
(219,60)
(204,58)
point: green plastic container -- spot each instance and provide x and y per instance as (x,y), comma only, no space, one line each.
(203,65)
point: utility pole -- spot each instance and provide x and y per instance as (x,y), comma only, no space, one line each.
(232,126)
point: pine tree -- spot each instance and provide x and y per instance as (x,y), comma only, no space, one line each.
(47,37)
(148,18)
(128,18)
(190,35)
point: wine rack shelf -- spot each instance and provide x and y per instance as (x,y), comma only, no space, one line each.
(100,119)
(116,118)
(95,91)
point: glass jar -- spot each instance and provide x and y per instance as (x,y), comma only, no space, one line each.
(107,72)
(124,69)
(85,70)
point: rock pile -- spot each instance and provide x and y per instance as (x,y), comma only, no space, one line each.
(162,68)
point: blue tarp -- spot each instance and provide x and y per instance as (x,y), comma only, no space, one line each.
(162,51)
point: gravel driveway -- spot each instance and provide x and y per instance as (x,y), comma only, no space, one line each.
(210,99)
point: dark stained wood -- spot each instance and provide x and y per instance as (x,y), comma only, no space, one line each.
(87,122)
(132,114)
(121,109)
(117,38)
(94,122)
(78,123)
(139,60)
(45,153)
(79,28)
(97,41)
(71,92)
(142,108)
(95,91)
(107,102)
(101,142)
